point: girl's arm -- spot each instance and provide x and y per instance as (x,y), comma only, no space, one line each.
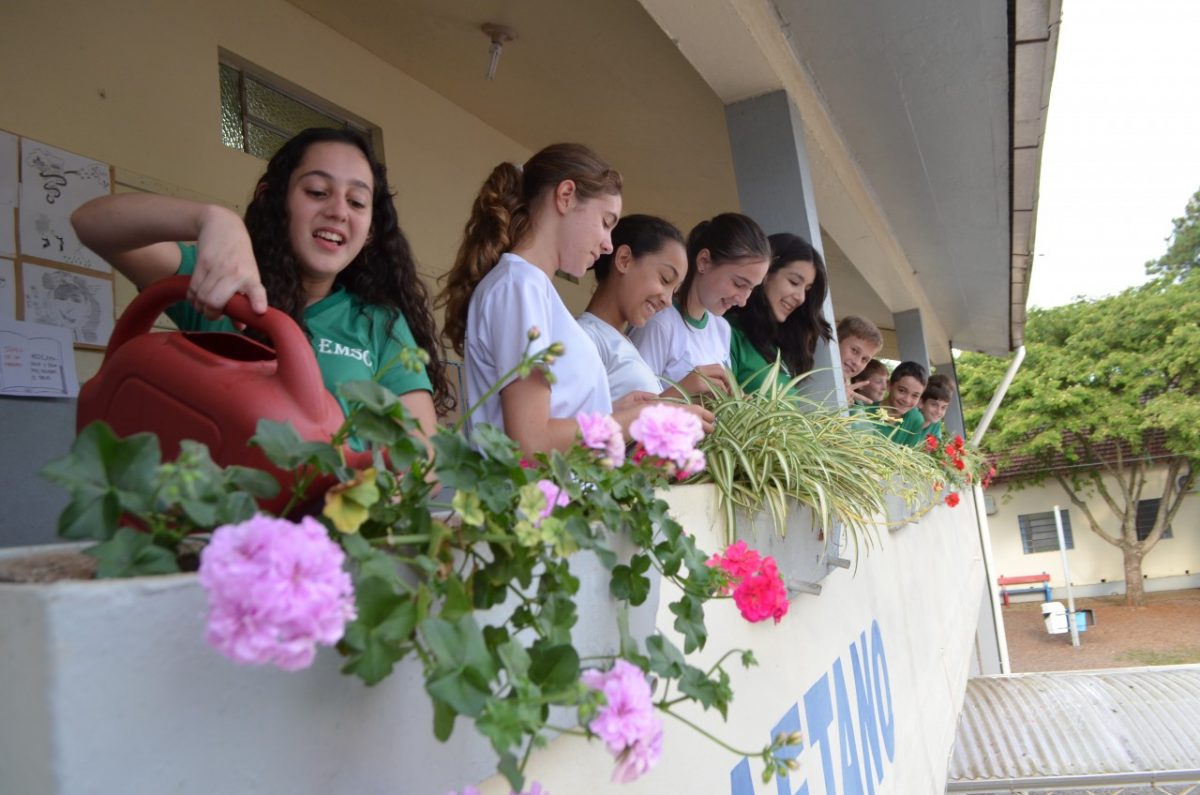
(525,404)
(137,233)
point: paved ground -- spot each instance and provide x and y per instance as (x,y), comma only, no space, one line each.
(1164,632)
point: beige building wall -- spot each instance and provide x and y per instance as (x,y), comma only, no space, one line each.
(134,84)
(1093,560)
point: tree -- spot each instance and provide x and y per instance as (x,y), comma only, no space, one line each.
(1109,388)
(1183,254)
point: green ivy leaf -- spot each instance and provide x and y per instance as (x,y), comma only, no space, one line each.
(379,635)
(106,477)
(513,657)
(629,585)
(443,720)
(716,694)
(665,658)
(689,621)
(284,448)
(495,444)
(131,554)
(371,395)
(554,667)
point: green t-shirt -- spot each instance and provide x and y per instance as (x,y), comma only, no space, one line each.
(907,432)
(353,340)
(748,364)
(934,429)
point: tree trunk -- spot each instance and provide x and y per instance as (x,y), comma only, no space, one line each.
(1135,594)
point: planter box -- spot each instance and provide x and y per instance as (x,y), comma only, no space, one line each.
(108,687)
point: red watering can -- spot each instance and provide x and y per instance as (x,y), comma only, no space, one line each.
(212,387)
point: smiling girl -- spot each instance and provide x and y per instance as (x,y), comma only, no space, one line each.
(320,242)
(728,257)
(555,213)
(783,315)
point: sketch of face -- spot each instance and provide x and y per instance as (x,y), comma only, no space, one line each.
(67,306)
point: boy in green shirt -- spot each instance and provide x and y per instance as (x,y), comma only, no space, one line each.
(934,402)
(905,388)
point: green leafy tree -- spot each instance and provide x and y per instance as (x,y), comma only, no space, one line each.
(1183,254)
(1100,379)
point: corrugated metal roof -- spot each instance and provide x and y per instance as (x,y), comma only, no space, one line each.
(1078,724)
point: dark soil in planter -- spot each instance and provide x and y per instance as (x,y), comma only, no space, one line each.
(48,567)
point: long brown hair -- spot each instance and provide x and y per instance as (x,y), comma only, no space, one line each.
(384,273)
(501,217)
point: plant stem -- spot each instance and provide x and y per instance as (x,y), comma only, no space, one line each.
(709,735)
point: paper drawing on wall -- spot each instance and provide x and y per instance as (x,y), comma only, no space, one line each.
(8,169)
(69,300)
(36,361)
(8,290)
(54,183)
(8,237)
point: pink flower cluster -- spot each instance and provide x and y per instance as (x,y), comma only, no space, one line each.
(758,589)
(628,724)
(671,433)
(601,432)
(555,497)
(275,590)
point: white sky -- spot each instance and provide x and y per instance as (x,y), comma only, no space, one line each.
(1122,146)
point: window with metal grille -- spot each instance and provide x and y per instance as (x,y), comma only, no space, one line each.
(259,113)
(1147,511)
(1038,533)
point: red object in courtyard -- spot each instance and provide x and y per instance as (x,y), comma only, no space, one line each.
(212,387)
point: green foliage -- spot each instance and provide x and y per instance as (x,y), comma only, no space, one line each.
(1113,369)
(769,446)
(111,480)
(477,587)
(1183,255)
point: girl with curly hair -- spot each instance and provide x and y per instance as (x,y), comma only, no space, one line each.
(320,242)
(783,316)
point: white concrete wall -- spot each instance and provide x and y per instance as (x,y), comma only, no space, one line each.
(116,690)
(1174,562)
(911,606)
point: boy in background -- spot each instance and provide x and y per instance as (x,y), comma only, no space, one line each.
(858,341)
(935,400)
(872,382)
(905,387)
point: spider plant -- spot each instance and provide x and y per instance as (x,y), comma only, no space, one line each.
(771,445)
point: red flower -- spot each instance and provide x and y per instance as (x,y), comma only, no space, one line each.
(959,465)
(932,443)
(950,451)
(958,443)
(952,499)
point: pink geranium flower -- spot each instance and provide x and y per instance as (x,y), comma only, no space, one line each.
(671,433)
(601,432)
(275,590)
(555,497)
(762,595)
(754,579)
(628,723)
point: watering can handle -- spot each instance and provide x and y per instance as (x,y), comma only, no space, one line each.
(296,364)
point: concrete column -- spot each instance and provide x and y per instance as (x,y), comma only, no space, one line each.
(774,183)
(910,337)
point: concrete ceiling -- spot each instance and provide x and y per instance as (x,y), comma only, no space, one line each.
(910,132)
(919,91)
(906,110)
(602,73)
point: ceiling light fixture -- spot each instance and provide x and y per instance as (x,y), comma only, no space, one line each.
(500,35)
